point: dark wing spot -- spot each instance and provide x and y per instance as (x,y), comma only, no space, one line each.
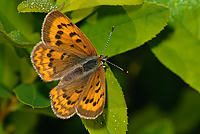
(69,102)
(58,42)
(98,76)
(51,51)
(62,56)
(91,87)
(96,91)
(63,24)
(94,104)
(68,97)
(78,40)
(84,98)
(49,55)
(60,32)
(101,95)
(73,102)
(51,59)
(64,95)
(78,91)
(59,26)
(84,46)
(71,45)
(86,102)
(98,100)
(57,36)
(72,34)
(91,100)
(50,64)
(70,24)
(97,83)
(54,102)
(68,56)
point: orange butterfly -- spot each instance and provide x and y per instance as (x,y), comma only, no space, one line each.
(66,53)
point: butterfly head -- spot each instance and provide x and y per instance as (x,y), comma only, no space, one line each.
(103,59)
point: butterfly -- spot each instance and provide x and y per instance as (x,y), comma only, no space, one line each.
(65,53)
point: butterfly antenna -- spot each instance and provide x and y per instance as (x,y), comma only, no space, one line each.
(105,58)
(108,40)
(116,66)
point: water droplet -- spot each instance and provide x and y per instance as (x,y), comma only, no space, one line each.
(104,116)
(95,121)
(32,3)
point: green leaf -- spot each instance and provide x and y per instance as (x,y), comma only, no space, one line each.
(161,126)
(9,66)
(177,6)
(44,111)
(2,128)
(188,105)
(11,20)
(23,122)
(134,25)
(27,70)
(31,95)
(15,38)
(71,5)
(114,117)
(79,15)
(179,50)
(4,92)
(151,119)
(36,6)
(144,117)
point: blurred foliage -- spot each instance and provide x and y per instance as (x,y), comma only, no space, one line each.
(158,43)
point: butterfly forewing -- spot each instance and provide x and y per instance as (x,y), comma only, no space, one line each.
(52,64)
(61,33)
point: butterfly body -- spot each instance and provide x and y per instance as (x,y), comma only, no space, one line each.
(65,53)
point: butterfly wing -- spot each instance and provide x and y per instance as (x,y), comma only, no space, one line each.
(61,33)
(65,97)
(52,64)
(92,100)
(86,96)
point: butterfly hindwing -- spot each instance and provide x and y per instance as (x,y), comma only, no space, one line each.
(92,100)
(65,97)
(61,33)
